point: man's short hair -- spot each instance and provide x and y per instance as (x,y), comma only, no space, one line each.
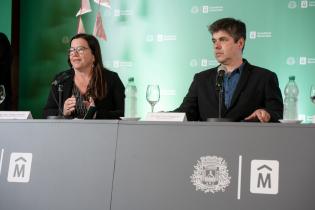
(235,28)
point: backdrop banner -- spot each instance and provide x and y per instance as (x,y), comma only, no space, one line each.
(166,43)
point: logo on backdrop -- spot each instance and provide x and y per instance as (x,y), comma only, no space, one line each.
(203,62)
(255,34)
(290,61)
(119,64)
(302,60)
(20,167)
(264,177)
(292,4)
(304,4)
(205,9)
(160,37)
(211,174)
(119,12)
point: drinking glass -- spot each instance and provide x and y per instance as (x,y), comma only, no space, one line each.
(153,95)
(312,94)
(2,93)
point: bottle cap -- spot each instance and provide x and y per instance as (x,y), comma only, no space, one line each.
(291,77)
(131,79)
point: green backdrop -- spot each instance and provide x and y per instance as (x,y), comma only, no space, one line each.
(5,17)
(166,42)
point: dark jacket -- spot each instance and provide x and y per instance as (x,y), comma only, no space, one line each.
(257,88)
(5,70)
(110,107)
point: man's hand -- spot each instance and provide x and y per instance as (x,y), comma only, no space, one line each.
(260,114)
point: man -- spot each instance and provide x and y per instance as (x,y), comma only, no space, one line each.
(250,93)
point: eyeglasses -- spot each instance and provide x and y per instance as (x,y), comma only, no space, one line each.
(79,50)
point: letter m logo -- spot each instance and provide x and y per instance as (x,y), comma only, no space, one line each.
(20,167)
(264,177)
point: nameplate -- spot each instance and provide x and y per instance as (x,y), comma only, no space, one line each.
(166,116)
(15,115)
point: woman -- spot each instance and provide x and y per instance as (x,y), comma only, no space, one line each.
(5,70)
(86,84)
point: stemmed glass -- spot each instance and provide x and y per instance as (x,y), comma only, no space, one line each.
(312,94)
(2,93)
(153,95)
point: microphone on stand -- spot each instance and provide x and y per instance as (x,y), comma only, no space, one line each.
(58,82)
(220,78)
(64,76)
(219,88)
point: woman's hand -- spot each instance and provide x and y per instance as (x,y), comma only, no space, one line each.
(89,103)
(69,106)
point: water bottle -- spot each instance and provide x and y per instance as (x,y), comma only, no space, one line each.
(291,92)
(131,99)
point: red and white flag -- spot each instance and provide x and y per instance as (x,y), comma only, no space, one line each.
(98,27)
(80,26)
(85,7)
(104,3)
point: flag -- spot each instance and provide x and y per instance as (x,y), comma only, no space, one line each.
(80,26)
(98,27)
(85,7)
(104,3)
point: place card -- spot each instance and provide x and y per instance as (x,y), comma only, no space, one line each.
(166,116)
(15,115)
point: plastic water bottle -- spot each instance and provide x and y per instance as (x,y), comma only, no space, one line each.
(131,99)
(291,93)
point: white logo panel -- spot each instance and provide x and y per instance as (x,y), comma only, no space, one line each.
(264,176)
(211,174)
(20,167)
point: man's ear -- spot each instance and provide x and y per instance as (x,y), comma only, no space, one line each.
(241,43)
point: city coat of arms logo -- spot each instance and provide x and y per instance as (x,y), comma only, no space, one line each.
(211,174)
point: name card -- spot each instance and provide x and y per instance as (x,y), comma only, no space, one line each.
(15,115)
(166,116)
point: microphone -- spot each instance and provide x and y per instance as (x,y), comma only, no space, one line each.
(58,82)
(64,76)
(219,87)
(220,78)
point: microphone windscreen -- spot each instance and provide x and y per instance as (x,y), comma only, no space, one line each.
(64,76)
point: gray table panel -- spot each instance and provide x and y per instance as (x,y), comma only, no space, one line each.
(155,161)
(72,165)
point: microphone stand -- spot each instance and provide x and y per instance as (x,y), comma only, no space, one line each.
(58,83)
(219,87)
(220,101)
(60,89)
(60,111)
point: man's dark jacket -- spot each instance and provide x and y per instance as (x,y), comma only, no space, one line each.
(257,88)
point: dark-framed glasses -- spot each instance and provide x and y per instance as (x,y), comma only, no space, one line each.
(79,50)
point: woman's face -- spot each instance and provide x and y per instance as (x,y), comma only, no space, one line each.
(80,55)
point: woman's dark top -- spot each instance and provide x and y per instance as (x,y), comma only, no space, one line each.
(110,107)
(5,70)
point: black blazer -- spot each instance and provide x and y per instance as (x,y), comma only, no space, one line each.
(257,88)
(111,107)
(5,71)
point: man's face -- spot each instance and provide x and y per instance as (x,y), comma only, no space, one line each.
(226,50)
